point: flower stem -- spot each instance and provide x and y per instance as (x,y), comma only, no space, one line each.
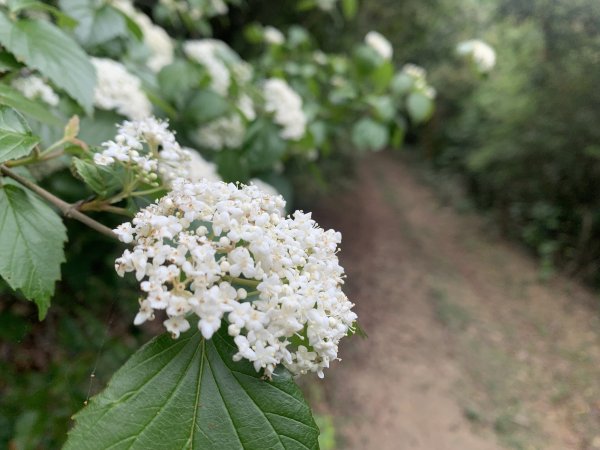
(65,208)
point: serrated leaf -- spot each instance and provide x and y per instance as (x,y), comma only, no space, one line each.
(102,180)
(31,238)
(97,22)
(13,98)
(190,394)
(16,139)
(45,47)
(368,134)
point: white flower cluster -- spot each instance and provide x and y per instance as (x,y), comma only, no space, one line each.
(206,53)
(273,36)
(200,169)
(119,90)
(155,38)
(418,75)
(206,9)
(482,54)
(380,44)
(221,133)
(149,147)
(286,105)
(326,5)
(33,87)
(225,254)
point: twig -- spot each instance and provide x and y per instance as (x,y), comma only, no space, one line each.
(65,208)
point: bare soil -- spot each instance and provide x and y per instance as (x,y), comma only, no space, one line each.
(467,347)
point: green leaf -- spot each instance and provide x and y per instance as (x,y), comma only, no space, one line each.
(8,62)
(178,79)
(31,238)
(104,181)
(189,394)
(43,46)
(264,146)
(368,134)
(349,8)
(206,105)
(98,22)
(16,139)
(419,107)
(34,5)
(31,108)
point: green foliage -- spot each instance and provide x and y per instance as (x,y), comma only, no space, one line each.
(32,235)
(44,47)
(97,22)
(368,134)
(30,108)
(191,391)
(16,139)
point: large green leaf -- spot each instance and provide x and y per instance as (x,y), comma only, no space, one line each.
(45,47)
(16,139)
(31,238)
(31,108)
(189,394)
(98,22)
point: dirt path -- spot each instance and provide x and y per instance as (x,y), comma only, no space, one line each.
(467,349)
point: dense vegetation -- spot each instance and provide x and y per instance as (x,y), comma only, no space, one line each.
(523,137)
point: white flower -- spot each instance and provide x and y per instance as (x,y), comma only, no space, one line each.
(199,168)
(380,44)
(246,107)
(155,38)
(150,148)
(286,104)
(273,36)
(205,52)
(119,90)
(482,54)
(326,5)
(224,132)
(33,87)
(224,253)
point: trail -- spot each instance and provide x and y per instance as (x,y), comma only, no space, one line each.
(467,348)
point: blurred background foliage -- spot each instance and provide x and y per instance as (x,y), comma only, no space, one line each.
(524,140)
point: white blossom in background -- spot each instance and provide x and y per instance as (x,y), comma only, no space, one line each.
(482,54)
(200,169)
(286,105)
(246,107)
(150,148)
(320,58)
(223,253)
(273,36)
(155,38)
(117,89)
(380,44)
(326,5)
(205,52)
(34,87)
(221,133)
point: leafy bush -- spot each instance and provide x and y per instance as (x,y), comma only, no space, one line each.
(106,118)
